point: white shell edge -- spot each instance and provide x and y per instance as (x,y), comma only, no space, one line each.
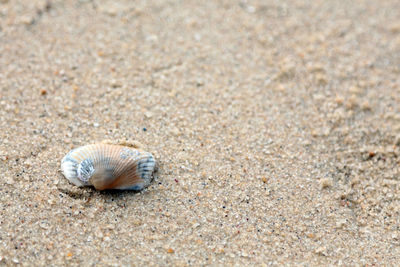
(67,168)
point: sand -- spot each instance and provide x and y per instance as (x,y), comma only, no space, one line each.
(276,125)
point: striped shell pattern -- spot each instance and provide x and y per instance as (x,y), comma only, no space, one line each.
(107,166)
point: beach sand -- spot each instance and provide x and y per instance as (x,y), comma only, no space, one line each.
(276,126)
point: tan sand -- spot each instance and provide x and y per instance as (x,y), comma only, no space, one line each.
(276,125)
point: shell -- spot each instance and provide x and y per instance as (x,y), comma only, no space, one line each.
(106,166)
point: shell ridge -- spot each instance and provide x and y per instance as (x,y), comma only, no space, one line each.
(132,173)
(120,163)
(110,161)
(95,152)
(82,153)
(114,160)
(146,167)
(69,168)
(103,159)
(129,178)
(129,174)
(101,154)
(99,174)
(88,153)
(106,165)
(74,156)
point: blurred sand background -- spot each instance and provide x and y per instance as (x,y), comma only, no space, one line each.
(275,123)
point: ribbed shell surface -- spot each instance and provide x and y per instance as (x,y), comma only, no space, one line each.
(109,167)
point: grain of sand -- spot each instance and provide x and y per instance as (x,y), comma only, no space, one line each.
(276,125)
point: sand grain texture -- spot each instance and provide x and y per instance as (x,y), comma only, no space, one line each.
(275,123)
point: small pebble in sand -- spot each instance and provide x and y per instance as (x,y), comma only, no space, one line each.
(339,100)
(397,140)
(311,235)
(355,90)
(321,251)
(325,183)
(341,223)
(107,166)
(366,106)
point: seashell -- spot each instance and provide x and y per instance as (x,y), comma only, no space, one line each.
(107,166)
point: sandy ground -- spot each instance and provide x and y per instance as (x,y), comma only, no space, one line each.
(276,125)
